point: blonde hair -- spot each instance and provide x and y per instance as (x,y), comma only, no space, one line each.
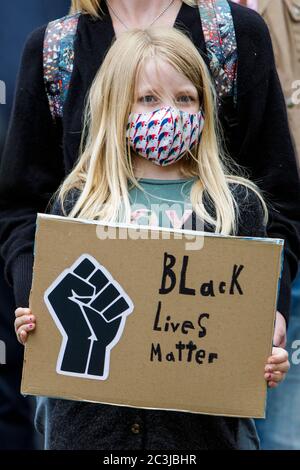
(92,7)
(104,168)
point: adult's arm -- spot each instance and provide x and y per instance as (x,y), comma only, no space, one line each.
(55,208)
(31,168)
(251,215)
(251,224)
(282,184)
(278,172)
(264,144)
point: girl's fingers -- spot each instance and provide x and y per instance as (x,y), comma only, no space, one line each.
(26,328)
(22,336)
(278,355)
(23,320)
(282,367)
(275,377)
(277,367)
(22,311)
(273,384)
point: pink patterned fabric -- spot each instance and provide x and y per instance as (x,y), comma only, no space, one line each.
(163,136)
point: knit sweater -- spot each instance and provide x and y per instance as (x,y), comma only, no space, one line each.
(40,152)
(72,425)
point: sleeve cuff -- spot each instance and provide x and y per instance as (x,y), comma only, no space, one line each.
(22,279)
(284,295)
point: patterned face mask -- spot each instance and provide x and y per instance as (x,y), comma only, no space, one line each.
(164,136)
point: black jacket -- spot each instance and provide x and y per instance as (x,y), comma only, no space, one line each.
(73,425)
(39,153)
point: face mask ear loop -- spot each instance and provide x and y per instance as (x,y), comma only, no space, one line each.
(201,120)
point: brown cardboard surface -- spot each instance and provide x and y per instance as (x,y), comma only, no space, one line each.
(236,326)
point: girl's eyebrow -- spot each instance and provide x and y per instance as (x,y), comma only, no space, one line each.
(151,91)
(146,91)
(187,89)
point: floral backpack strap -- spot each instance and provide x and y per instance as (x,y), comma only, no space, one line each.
(58,57)
(221,45)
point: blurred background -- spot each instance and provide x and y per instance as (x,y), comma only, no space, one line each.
(281,429)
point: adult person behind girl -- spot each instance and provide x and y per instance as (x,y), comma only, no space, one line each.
(152,143)
(16,411)
(40,152)
(281,428)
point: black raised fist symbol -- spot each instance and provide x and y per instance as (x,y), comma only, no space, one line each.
(89,308)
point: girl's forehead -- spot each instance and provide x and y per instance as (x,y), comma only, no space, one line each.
(159,73)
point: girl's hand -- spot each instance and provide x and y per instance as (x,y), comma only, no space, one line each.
(24,323)
(277,367)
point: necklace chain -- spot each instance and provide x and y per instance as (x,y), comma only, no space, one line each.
(155,19)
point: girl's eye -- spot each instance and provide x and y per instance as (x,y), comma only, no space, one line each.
(185,99)
(147,99)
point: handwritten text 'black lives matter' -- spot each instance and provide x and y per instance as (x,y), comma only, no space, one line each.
(187,350)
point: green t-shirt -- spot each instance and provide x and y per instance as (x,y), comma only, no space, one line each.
(165,203)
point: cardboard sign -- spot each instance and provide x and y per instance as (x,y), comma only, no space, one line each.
(151,318)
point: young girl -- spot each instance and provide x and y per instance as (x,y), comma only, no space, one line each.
(151,142)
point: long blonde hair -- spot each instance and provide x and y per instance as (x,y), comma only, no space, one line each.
(104,167)
(92,7)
